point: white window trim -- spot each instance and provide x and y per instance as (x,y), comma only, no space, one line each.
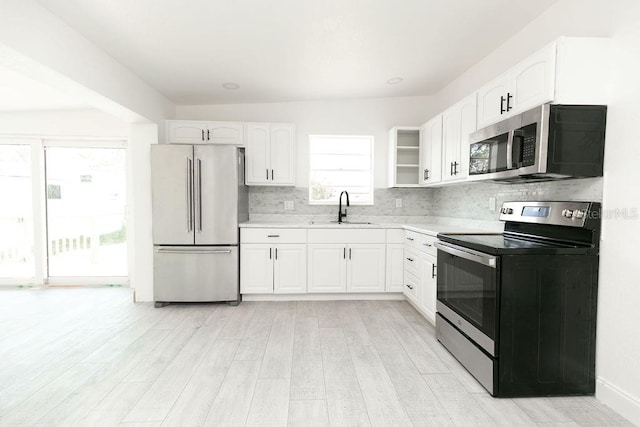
(371,139)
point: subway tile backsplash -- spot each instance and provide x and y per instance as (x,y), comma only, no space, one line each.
(458,201)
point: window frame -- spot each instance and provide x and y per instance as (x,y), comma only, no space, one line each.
(370,139)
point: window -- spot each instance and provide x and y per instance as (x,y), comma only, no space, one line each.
(339,163)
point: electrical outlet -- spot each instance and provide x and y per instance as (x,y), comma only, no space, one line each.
(288,205)
(398,203)
(492,204)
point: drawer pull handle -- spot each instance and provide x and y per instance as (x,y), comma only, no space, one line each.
(410,259)
(410,239)
(273,235)
(409,286)
(428,245)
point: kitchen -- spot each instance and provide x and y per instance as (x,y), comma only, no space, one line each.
(467,203)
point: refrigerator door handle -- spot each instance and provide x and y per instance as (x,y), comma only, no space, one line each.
(189,183)
(198,195)
(192,251)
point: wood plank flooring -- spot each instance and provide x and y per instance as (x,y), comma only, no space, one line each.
(88,356)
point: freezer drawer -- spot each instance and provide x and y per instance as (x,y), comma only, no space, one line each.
(195,273)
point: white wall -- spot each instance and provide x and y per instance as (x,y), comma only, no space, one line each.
(70,123)
(618,357)
(618,349)
(347,117)
(37,44)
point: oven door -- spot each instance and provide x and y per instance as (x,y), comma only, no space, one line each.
(467,292)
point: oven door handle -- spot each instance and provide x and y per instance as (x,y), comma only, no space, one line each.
(468,254)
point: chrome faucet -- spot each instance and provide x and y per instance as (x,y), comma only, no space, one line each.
(340,214)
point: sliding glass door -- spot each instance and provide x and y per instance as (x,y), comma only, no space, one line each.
(86,223)
(63,212)
(16,213)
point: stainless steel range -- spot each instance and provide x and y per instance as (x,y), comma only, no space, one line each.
(518,309)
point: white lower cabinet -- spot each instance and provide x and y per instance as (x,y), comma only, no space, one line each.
(411,285)
(420,272)
(256,269)
(395,267)
(365,267)
(327,268)
(428,286)
(346,268)
(266,269)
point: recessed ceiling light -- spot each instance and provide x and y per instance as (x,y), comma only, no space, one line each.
(231,86)
(395,80)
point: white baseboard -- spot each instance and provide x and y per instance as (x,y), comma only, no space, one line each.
(617,399)
(323,297)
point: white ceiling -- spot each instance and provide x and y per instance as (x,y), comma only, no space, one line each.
(286,50)
(20,93)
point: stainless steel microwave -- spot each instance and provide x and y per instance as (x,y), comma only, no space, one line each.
(545,143)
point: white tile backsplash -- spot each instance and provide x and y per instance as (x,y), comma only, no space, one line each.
(462,203)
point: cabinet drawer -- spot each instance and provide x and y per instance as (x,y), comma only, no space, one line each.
(412,239)
(273,235)
(427,244)
(348,235)
(411,284)
(411,262)
(395,235)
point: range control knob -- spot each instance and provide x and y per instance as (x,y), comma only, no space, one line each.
(578,214)
(567,213)
(509,211)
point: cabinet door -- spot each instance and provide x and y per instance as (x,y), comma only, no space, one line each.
(256,269)
(411,285)
(327,266)
(468,114)
(395,267)
(257,155)
(532,82)
(186,132)
(365,268)
(431,151)
(492,101)
(290,269)
(427,289)
(283,154)
(450,141)
(225,133)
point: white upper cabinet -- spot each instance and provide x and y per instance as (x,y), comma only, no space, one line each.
(568,71)
(492,101)
(257,155)
(283,154)
(225,133)
(199,132)
(404,156)
(532,80)
(270,154)
(458,122)
(431,151)
(529,83)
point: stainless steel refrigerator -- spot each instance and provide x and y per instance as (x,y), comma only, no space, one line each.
(199,197)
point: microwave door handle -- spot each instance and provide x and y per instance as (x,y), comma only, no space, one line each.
(510,150)
(518,142)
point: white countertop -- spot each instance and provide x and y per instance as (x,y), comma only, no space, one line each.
(430,229)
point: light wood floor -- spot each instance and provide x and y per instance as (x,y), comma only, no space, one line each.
(90,357)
